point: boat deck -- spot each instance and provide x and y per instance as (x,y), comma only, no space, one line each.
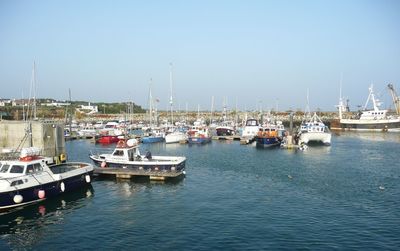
(127,173)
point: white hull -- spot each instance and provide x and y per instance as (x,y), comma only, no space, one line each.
(322,137)
(175,137)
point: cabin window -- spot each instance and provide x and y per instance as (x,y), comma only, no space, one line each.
(4,168)
(17,182)
(30,169)
(17,169)
(118,153)
(37,167)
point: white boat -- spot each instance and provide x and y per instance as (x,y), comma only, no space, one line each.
(250,129)
(30,179)
(312,129)
(127,155)
(368,120)
(175,137)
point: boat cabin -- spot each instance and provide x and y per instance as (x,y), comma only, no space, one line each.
(10,169)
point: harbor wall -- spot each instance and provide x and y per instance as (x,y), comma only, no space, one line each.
(46,135)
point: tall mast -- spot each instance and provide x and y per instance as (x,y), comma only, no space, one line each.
(170,99)
(150,104)
(34,108)
(212,109)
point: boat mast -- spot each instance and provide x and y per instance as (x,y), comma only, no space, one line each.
(341,105)
(212,109)
(170,99)
(150,105)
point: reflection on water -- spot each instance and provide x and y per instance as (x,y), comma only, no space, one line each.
(373,136)
(22,228)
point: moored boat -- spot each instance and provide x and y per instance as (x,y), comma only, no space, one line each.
(127,155)
(374,119)
(201,136)
(268,136)
(29,179)
(314,130)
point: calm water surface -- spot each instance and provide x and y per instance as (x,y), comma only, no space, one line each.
(234,197)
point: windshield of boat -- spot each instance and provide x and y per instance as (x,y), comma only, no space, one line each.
(17,169)
(251,123)
(4,168)
(34,168)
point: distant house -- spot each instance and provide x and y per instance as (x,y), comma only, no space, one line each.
(56,104)
(88,109)
(20,102)
(5,102)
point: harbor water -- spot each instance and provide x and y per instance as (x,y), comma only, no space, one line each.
(234,197)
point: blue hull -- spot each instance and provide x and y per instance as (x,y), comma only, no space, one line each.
(198,140)
(267,142)
(51,189)
(152,139)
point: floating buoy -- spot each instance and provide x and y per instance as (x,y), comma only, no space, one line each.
(62,187)
(290,176)
(381,187)
(41,194)
(18,198)
(87,178)
(103,164)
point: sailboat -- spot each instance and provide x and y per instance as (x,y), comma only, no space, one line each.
(155,134)
(176,135)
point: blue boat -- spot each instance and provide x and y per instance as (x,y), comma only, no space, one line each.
(152,139)
(268,137)
(154,136)
(201,136)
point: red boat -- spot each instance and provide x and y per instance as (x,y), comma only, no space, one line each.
(107,139)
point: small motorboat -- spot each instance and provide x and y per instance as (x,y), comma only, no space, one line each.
(29,178)
(127,155)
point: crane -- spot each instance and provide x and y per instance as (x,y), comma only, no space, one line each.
(396,99)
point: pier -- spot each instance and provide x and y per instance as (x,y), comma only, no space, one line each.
(126,173)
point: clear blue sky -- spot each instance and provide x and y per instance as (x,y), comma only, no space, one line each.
(255,52)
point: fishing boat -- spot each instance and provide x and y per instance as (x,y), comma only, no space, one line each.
(127,155)
(312,129)
(29,178)
(374,119)
(268,137)
(200,136)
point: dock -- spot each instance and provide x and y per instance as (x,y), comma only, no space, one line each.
(126,173)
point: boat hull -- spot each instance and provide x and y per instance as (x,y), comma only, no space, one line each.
(175,138)
(225,131)
(199,140)
(315,137)
(107,139)
(146,140)
(51,189)
(387,125)
(267,142)
(145,165)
